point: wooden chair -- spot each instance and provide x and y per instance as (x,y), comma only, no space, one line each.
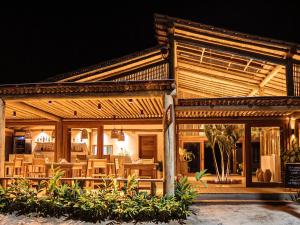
(97,168)
(18,168)
(146,186)
(38,168)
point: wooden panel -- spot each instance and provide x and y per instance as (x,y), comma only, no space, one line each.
(147,150)
(148,146)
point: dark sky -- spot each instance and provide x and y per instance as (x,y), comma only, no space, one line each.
(39,43)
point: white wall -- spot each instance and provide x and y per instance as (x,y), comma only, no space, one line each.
(131,142)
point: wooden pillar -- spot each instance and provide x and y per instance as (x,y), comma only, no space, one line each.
(2,137)
(170,145)
(66,145)
(58,141)
(100,142)
(248,162)
(289,77)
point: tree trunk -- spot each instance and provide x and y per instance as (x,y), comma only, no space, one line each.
(215,161)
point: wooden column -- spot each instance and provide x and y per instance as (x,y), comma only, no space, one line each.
(66,145)
(58,141)
(2,137)
(289,77)
(100,142)
(248,162)
(170,147)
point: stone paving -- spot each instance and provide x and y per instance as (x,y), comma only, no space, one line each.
(206,214)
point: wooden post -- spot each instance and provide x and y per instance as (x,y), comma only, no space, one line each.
(100,142)
(58,141)
(2,137)
(289,77)
(170,146)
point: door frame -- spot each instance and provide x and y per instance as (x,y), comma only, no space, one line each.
(139,144)
(187,139)
(281,125)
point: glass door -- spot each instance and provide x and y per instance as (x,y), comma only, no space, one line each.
(265,160)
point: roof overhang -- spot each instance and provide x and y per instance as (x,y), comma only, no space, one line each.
(86,90)
(255,107)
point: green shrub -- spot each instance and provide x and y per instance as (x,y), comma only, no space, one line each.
(55,199)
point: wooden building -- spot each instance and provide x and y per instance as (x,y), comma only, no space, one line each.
(159,99)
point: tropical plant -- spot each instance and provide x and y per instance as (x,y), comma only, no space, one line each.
(56,199)
(200,175)
(226,137)
(291,155)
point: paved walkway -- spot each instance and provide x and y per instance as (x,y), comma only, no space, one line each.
(229,214)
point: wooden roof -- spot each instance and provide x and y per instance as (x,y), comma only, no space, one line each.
(212,62)
(142,62)
(238,107)
(96,100)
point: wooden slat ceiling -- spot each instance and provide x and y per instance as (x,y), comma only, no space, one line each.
(220,114)
(122,108)
(206,73)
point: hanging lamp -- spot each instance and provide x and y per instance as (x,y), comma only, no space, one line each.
(114,132)
(121,135)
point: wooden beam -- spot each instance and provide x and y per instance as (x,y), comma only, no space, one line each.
(239,108)
(253,55)
(289,77)
(2,137)
(266,79)
(23,106)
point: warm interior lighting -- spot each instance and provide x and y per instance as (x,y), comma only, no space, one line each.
(99,106)
(14,113)
(130,101)
(114,134)
(121,136)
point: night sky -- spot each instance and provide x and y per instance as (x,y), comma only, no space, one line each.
(39,43)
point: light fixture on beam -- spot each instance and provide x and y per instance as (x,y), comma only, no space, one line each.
(49,102)
(99,106)
(130,101)
(75,113)
(142,112)
(14,114)
(114,132)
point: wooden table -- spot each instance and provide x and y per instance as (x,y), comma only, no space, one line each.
(140,166)
(66,167)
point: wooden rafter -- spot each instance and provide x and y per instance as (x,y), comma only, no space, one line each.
(272,74)
(25,107)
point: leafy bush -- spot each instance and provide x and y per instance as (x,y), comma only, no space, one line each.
(55,199)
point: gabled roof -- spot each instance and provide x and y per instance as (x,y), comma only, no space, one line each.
(108,70)
(212,62)
(211,34)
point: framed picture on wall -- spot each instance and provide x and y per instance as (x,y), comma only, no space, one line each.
(169,116)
